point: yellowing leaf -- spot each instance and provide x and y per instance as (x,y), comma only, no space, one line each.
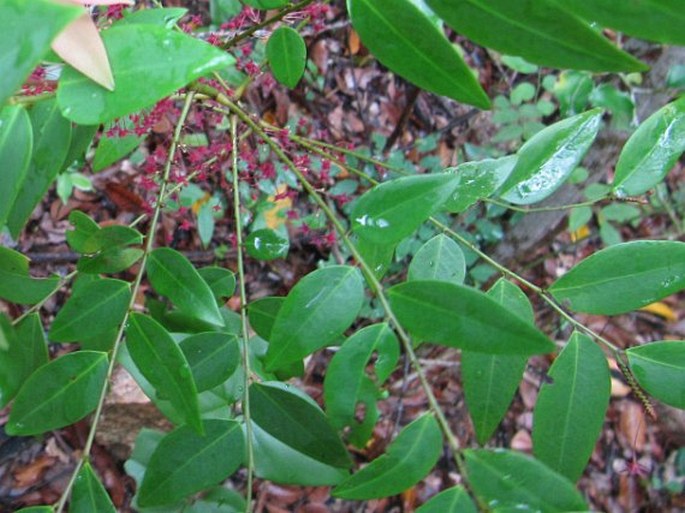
(662,310)
(197,205)
(580,233)
(273,217)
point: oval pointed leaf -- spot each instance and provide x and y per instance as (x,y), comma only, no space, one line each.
(438,259)
(540,31)
(317,310)
(547,159)
(162,363)
(478,180)
(452,500)
(569,412)
(213,357)
(463,317)
(511,479)
(173,276)
(623,277)
(15,283)
(185,462)
(287,55)
(162,59)
(220,280)
(59,393)
(407,40)
(88,494)
(16,146)
(659,368)
(652,150)
(393,210)
(409,458)
(267,244)
(262,314)
(110,261)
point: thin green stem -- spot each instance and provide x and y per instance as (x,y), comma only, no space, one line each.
(551,208)
(40,304)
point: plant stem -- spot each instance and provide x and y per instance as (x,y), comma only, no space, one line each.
(551,208)
(40,304)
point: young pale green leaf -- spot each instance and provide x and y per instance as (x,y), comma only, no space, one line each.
(88,494)
(478,180)
(163,364)
(452,500)
(547,159)
(511,479)
(408,459)
(266,244)
(438,259)
(173,276)
(220,280)
(109,261)
(393,210)
(58,394)
(406,39)
(490,380)
(623,277)
(542,33)
(569,412)
(91,311)
(464,317)
(16,285)
(286,52)
(659,368)
(347,384)
(318,309)
(185,462)
(16,147)
(652,150)
(297,422)
(262,314)
(213,357)
(162,59)
(266,4)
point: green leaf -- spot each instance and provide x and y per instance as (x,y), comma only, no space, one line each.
(162,59)
(659,368)
(81,139)
(541,32)
(213,357)
(507,478)
(262,314)
(405,38)
(88,494)
(573,89)
(185,462)
(173,276)
(286,52)
(58,394)
(490,381)
(464,317)
(164,16)
(163,364)
(452,500)
(37,509)
(30,28)
(93,310)
(478,180)
(377,256)
(110,237)
(110,261)
(579,217)
(408,459)
(16,147)
(623,277)
(297,422)
(393,210)
(220,280)
(438,259)
(84,229)
(16,285)
(652,150)
(113,149)
(569,412)
(547,159)
(266,4)
(266,244)
(317,310)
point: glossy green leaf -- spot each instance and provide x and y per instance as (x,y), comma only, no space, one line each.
(16,285)
(547,159)
(406,39)
(213,358)
(347,384)
(88,237)
(173,276)
(112,149)
(393,210)
(81,139)
(91,311)
(265,4)
(659,368)
(623,277)
(490,380)
(58,394)
(37,509)
(296,422)
(262,314)
(220,280)
(16,147)
(507,478)
(408,459)
(464,317)
(438,259)
(478,180)
(652,150)
(84,228)
(540,31)
(162,59)
(569,412)
(110,261)
(164,16)
(266,244)
(185,462)
(452,500)
(317,310)
(88,494)
(163,364)
(30,28)
(377,256)
(286,52)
